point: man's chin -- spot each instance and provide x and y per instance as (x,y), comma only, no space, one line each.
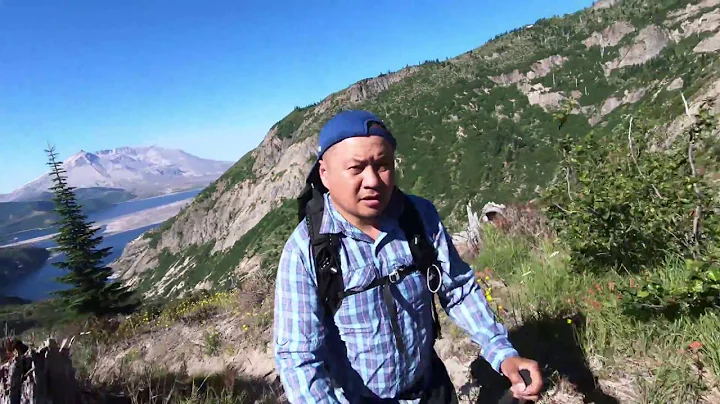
(371,205)
(371,209)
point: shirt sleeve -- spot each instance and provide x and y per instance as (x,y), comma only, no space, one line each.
(464,300)
(298,332)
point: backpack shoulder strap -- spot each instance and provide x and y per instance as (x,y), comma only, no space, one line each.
(424,254)
(325,253)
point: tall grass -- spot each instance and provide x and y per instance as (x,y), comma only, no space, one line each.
(666,359)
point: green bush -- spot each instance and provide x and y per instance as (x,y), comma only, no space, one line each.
(618,205)
(691,296)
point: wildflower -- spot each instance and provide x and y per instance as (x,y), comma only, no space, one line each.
(695,346)
(500,308)
(569,321)
(487,278)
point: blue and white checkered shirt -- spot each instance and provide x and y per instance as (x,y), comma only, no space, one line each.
(320,363)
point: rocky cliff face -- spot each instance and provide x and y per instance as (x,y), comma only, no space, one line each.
(232,209)
(604,3)
(442,111)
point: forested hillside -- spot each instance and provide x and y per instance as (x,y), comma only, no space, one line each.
(597,130)
(482,126)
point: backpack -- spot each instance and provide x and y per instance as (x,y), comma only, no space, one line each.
(326,249)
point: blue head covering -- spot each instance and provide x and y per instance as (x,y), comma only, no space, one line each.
(349,124)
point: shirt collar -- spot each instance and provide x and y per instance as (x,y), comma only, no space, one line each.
(334,222)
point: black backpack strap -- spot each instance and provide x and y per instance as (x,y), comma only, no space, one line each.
(424,255)
(424,260)
(325,247)
(326,256)
(326,250)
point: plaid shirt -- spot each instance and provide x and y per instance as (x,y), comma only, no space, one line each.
(321,362)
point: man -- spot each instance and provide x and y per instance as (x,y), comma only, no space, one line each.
(375,342)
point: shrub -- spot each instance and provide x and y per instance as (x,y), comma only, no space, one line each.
(619,206)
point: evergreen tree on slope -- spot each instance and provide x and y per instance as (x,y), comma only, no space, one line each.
(92,292)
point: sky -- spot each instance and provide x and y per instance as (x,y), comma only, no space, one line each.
(208,77)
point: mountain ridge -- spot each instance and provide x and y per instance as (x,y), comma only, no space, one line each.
(475,128)
(144,171)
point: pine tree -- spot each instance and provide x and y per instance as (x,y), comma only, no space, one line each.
(92,292)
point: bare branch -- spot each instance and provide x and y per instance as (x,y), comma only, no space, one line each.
(687,109)
(561,208)
(691,161)
(567,180)
(632,154)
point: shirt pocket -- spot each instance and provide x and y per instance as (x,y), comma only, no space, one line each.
(359,313)
(410,290)
(415,292)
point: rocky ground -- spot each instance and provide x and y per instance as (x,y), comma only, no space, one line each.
(220,335)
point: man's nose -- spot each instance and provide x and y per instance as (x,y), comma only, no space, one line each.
(371,178)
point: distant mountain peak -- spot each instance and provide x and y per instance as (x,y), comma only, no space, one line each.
(80,158)
(145,171)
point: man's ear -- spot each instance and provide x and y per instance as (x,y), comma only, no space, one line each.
(322,170)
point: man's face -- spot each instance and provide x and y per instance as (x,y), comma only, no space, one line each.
(359,172)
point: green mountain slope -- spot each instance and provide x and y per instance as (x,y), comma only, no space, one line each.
(475,128)
(18,262)
(20,216)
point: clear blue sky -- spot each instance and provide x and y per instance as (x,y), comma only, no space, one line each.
(209,77)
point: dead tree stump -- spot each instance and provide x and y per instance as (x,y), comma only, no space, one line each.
(38,376)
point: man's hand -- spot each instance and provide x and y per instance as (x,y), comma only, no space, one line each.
(511,367)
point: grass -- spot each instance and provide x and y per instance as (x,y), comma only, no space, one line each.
(40,317)
(571,322)
(152,384)
(133,379)
(155,385)
(249,308)
(665,360)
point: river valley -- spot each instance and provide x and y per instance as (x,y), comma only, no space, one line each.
(120,225)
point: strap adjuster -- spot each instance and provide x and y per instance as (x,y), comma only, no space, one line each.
(439,278)
(394,276)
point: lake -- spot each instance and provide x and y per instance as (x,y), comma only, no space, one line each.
(38,285)
(120,209)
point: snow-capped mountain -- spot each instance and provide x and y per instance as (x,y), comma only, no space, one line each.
(144,171)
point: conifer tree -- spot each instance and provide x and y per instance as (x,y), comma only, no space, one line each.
(92,291)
